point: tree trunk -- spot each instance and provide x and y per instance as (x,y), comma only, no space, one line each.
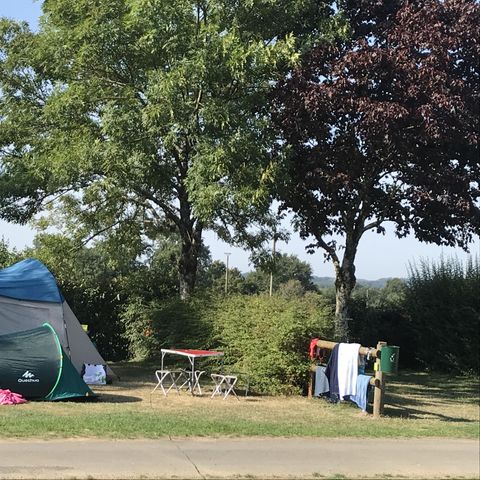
(188,262)
(191,230)
(344,285)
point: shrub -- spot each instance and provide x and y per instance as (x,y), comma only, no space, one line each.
(393,326)
(264,337)
(268,337)
(444,304)
(380,315)
(169,323)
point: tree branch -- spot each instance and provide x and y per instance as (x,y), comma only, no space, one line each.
(371,225)
(330,250)
(167,209)
(96,234)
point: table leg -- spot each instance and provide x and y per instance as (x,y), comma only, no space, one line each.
(191,374)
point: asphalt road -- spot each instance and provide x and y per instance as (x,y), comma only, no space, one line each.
(239,458)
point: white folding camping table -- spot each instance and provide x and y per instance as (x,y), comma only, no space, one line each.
(193,376)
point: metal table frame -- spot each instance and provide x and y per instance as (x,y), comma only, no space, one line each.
(191,355)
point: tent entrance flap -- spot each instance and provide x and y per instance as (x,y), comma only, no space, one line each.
(70,384)
(34,365)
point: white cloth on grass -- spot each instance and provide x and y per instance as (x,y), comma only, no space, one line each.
(347,368)
(95,374)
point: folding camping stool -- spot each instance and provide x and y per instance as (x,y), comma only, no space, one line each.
(170,376)
(185,376)
(196,385)
(225,382)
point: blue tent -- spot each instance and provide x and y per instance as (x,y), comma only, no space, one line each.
(29,280)
(30,297)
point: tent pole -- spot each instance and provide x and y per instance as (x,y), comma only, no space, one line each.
(69,350)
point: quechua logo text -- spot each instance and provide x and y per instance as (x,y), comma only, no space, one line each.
(28,377)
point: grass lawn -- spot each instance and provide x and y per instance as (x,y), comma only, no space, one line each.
(417,405)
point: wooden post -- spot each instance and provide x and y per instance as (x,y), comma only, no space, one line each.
(378,397)
(310,382)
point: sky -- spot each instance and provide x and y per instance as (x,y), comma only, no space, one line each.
(379,256)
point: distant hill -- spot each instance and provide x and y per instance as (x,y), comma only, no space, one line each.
(326,282)
(323,282)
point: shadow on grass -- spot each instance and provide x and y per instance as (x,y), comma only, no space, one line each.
(438,387)
(117,398)
(131,369)
(394,410)
(137,384)
(413,395)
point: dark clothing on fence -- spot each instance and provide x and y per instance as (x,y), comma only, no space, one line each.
(331,373)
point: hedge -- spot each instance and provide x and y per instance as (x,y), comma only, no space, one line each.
(266,338)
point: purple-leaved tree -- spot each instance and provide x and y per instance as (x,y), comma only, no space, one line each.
(383,127)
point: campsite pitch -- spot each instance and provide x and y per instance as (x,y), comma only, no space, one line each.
(417,405)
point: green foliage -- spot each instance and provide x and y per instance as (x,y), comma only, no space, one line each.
(268,337)
(291,288)
(94,285)
(434,316)
(158,275)
(212,279)
(443,301)
(122,114)
(132,308)
(380,315)
(101,281)
(171,323)
(284,268)
(264,337)
(291,277)
(7,256)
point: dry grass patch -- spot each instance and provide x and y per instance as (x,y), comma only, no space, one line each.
(418,405)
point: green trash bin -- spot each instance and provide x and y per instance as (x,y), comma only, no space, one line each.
(389,359)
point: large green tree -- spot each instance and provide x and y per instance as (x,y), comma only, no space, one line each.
(116,111)
(281,269)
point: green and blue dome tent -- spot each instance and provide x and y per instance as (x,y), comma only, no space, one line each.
(29,296)
(35,365)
